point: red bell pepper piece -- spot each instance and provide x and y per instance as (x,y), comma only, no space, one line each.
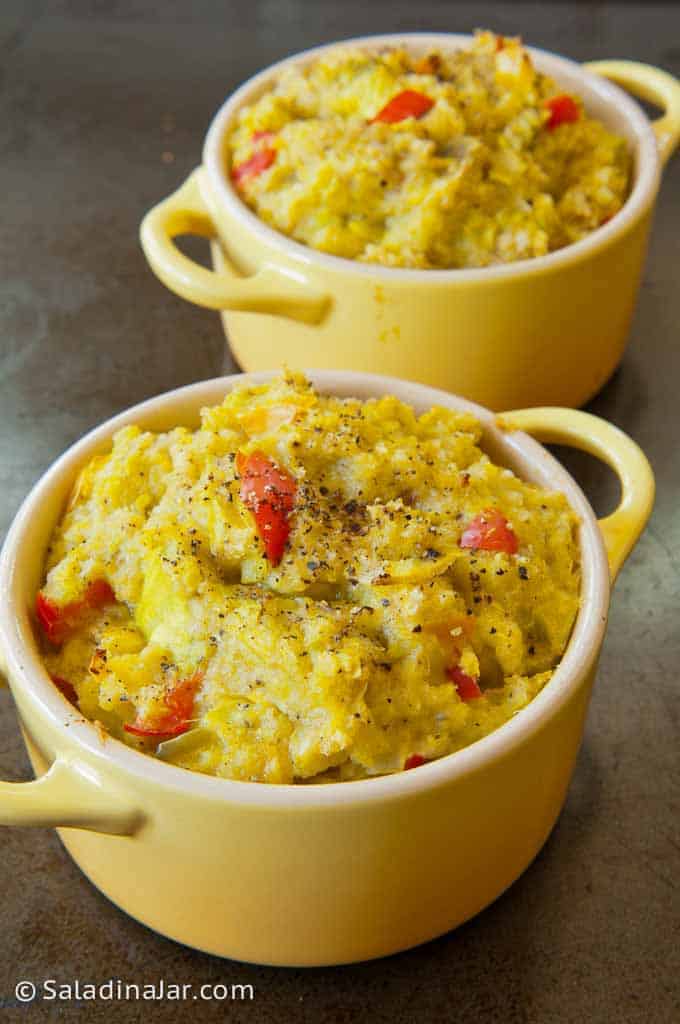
(490,531)
(467,686)
(99,593)
(269,493)
(179,710)
(262,136)
(67,689)
(163,728)
(414,761)
(49,616)
(58,621)
(258,162)
(563,110)
(405,104)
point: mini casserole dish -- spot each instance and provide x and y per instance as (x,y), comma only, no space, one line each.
(297,875)
(545,330)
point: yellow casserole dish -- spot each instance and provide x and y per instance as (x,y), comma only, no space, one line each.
(288,874)
(307,588)
(550,329)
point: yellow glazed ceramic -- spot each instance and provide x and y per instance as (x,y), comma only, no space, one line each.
(306,875)
(547,330)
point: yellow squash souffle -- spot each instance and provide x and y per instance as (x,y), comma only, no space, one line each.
(306,588)
(463,159)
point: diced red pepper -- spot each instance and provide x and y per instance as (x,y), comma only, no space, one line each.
(178,713)
(262,136)
(180,698)
(405,104)
(269,493)
(563,110)
(490,531)
(49,616)
(58,621)
(258,162)
(99,593)
(162,728)
(467,686)
(262,480)
(67,689)
(414,761)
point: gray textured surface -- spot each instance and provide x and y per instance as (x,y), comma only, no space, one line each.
(102,110)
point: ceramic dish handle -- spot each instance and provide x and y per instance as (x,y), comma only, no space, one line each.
(269,290)
(653,85)
(589,433)
(68,796)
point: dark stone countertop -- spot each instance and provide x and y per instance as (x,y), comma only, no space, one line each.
(103,106)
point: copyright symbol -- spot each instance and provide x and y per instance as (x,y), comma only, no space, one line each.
(25,991)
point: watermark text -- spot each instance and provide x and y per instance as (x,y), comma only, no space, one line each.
(117,990)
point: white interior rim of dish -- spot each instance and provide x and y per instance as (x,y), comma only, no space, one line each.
(21,655)
(647,169)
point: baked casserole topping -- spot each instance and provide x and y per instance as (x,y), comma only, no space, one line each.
(463,159)
(306,588)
